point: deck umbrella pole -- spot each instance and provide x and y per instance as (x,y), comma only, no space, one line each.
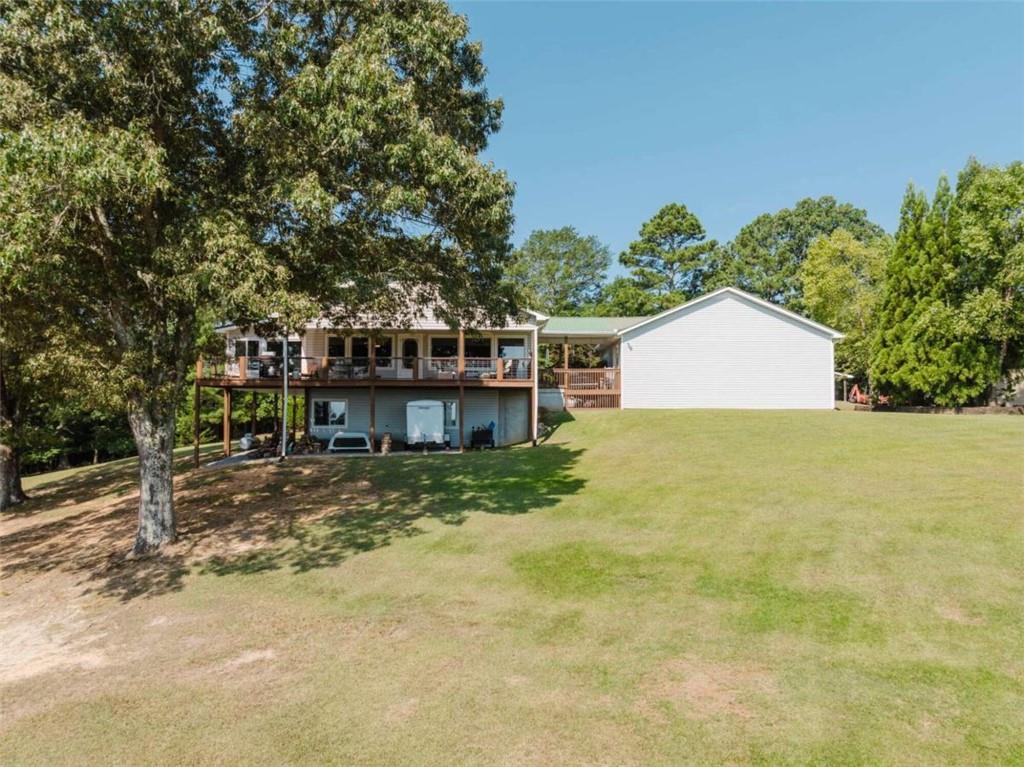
(373,392)
(227,421)
(461,369)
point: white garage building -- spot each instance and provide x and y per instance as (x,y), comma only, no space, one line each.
(726,349)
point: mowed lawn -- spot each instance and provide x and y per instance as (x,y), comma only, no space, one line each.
(644,588)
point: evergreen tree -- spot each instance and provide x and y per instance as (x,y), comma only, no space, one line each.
(668,261)
(920,353)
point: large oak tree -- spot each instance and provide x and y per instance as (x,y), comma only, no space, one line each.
(162,163)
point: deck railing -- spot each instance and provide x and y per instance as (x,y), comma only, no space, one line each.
(270,367)
(583,379)
(585,387)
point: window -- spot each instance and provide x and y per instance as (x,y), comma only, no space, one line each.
(247,347)
(361,347)
(381,346)
(410,351)
(335,346)
(512,348)
(294,353)
(294,349)
(330,412)
(451,413)
(444,347)
(478,347)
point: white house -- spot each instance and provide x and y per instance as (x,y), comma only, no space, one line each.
(727,349)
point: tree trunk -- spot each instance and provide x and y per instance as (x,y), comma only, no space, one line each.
(11,492)
(994,390)
(153,429)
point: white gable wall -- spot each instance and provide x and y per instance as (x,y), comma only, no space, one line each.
(727,352)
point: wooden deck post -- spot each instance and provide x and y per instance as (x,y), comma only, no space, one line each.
(462,390)
(461,364)
(373,393)
(294,408)
(227,421)
(196,404)
(252,406)
(534,392)
(307,407)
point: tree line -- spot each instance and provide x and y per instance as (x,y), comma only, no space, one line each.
(933,315)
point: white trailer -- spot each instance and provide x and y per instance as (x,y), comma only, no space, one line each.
(424,422)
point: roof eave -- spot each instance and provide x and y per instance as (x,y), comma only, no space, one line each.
(834,334)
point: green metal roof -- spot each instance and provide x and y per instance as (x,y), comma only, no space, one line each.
(599,326)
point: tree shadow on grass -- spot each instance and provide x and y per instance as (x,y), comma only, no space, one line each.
(300,515)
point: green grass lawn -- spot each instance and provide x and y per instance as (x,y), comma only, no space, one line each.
(644,588)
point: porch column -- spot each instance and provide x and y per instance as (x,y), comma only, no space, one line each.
(462,389)
(293,418)
(305,416)
(196,400)
(534,393)
(227,421)
(373,393)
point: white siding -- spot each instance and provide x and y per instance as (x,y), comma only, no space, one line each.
(727,352)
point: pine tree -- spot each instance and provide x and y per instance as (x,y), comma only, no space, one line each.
(670,257)
(893,348)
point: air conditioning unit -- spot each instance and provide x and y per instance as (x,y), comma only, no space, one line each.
(424,422)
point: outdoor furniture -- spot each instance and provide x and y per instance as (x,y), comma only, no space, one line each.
(482,436)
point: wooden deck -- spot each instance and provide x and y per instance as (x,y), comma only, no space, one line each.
(333,372)
(586,388)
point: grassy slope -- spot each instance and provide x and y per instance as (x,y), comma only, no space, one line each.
(647,587)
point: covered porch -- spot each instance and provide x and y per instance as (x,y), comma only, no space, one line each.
(579,358)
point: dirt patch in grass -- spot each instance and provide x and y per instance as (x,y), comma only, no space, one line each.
(957,614)
(703,689)
(54,635)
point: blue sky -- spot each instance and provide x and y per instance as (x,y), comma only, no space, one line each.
(614,109)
